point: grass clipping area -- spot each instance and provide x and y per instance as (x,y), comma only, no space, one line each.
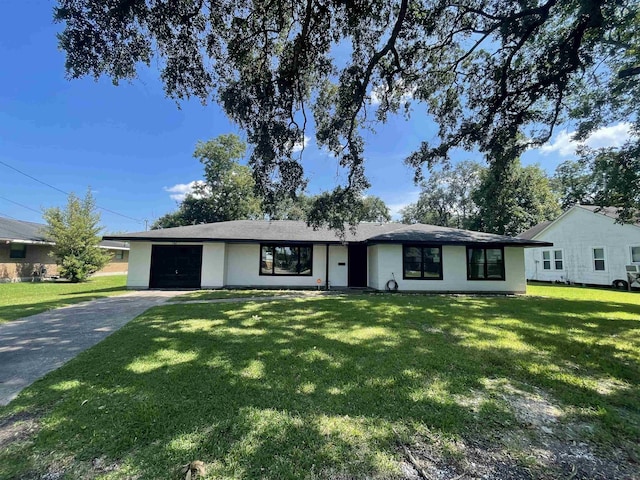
(19,300)
(380,386)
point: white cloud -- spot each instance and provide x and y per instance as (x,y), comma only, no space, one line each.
(613,136)
(297,147)
(180,190)
(377,93)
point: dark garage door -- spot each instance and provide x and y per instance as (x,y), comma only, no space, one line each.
(175,266)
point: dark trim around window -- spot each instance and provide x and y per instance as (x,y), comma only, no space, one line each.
(264,266)
(18,252)
(485,265)
(422,276)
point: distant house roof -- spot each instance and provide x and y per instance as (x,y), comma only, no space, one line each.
(533,232)
(611,212)
(298,232)
(19,231)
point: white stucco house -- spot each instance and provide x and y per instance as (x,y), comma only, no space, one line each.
(589,247)
(289,254)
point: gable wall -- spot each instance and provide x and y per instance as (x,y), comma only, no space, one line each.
(576,234)
(454,271)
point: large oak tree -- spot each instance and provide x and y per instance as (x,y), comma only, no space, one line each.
(496,76)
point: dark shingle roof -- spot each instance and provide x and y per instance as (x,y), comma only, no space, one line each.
(535,230)
(19,230)
(30,232)
(611,212)
(297,231)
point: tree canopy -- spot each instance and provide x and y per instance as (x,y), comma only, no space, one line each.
(494,76)
(75,232)
(470,196)
(227,193)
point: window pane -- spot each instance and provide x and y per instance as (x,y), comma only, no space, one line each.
(18,250)
(546,255)
(599,264)
(432,262)
(412,262)
(285,260)
(305,260)
(266,263)
(598,253)
(476,263)
(557,254)
(635,254)
(559,265)
(546,265)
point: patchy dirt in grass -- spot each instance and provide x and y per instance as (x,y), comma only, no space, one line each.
(17,427)
(541,444)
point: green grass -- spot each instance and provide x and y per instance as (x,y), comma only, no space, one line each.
(19,300)
(224,294)
(317,387)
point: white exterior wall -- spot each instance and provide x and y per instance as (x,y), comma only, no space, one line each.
(338,274)
(243,268)
(454,271)
(577,233)
(213,264)
(374,276)
(139,265)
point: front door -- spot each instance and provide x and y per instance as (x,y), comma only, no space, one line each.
(175,266)
(357,265)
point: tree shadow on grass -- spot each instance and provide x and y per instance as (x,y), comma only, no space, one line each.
(285,389)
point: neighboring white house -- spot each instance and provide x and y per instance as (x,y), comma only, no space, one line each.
(289,254)
(589,247)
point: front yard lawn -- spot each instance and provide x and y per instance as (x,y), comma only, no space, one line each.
(345,387)
(19,300)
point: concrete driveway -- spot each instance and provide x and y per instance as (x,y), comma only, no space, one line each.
(33,346)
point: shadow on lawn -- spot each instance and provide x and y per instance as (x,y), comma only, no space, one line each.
(287,389)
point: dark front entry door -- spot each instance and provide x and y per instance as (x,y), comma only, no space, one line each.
(175,266)
(357,265)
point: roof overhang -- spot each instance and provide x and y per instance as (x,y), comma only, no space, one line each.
(221,240)
(27,242)
(467,243)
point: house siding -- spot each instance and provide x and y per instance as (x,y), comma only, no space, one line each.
(243,268)
(576,233)
(388,259)
(21,269)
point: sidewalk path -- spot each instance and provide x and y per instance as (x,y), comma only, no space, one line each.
(33,346)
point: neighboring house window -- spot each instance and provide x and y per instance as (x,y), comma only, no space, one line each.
(285,260)
(119,255)
(598,259)
(635,254)
(422,263)
(557,264)
(18,250)
(485,263)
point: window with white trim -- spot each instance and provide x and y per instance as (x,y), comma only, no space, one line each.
(552,262)
(557,259)
(599,264)
(635,254)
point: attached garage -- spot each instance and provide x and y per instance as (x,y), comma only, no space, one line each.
(175,266)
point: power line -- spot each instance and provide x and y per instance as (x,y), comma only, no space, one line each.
(67,193)
(20,205)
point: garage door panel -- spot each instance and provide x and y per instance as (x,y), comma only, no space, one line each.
(176,266)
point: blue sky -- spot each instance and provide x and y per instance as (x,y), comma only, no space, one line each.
(132,145)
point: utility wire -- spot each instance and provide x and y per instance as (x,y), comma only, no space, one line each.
(21,205)
(67,193)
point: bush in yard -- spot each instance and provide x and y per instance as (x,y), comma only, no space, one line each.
(74,231)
